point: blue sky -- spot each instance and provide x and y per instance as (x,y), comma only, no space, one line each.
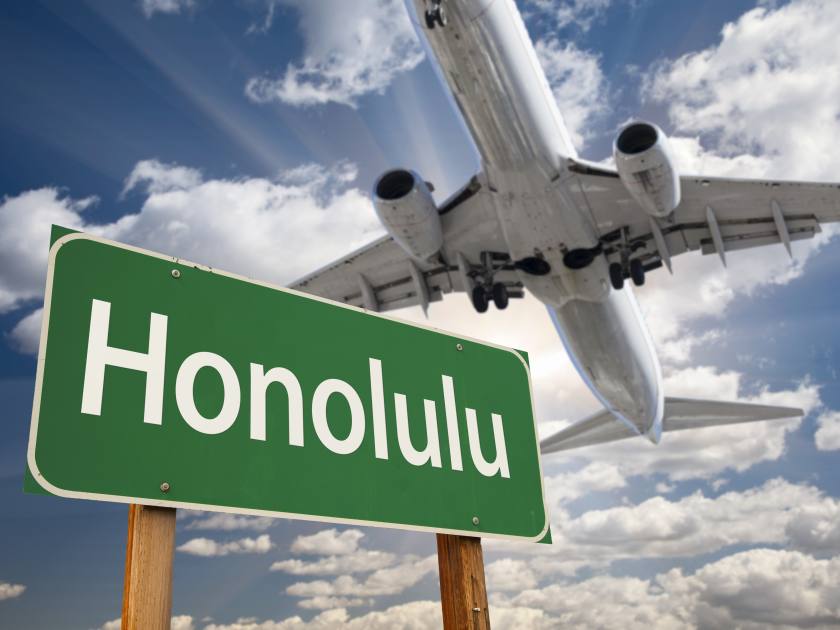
(246,135)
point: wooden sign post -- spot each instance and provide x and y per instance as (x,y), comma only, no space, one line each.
(463,595)
(147,593)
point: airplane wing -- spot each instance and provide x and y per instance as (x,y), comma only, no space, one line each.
(680,414)
(716,214)
(381,276)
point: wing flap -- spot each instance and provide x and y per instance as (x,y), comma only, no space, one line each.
(749,212)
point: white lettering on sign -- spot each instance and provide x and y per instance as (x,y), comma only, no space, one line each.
(357,416)
(186,401)
(260,380)
(100,355)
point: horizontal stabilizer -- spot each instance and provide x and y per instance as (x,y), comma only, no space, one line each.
(680,414)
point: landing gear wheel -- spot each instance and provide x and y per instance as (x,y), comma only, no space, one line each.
(479,299)
(617,276)
(637,272)
(500,296)
(435,15)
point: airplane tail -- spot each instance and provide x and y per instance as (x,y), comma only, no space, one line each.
(679,414)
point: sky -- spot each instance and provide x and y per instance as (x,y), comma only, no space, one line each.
(246,135)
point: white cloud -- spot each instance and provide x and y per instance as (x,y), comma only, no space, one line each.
(210,548)
(160,178)
(827,436)
(359,561)
(796,516)
(754,589)
(509,575)
(770,88)
(420,615)
(350,49)
(150,7)
(25,240)
(177,622)
(597,476)
(251,226)
(230,522)
(10,591)
(328,542)
(323,603)
(665,488)
(26,335)
(579,13)
(577,83)
(389,581)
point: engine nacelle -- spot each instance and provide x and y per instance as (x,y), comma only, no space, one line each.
(643,160)
(405,207)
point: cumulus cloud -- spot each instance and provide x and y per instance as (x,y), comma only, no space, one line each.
(178,622)
(350,49)
(10,591)
(324,603)
(798,516)
(25,238)
(769,88)
(508,574)
(563,13)
(754,589)
(827,437)
(230,522)
(150,7)
(420,615)
(577,83)
(596,476)
(389,581)
(157,177)
(328,542)
(251,226)
(210,548)
(358,561)
(26,334)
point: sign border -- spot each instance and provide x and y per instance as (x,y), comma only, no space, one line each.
(113,498)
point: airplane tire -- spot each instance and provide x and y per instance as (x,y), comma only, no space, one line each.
(479,299)
(616,276)
(430,20)
(500,296)
(440,16)
(637,272)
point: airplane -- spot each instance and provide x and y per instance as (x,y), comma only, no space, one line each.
(570,231)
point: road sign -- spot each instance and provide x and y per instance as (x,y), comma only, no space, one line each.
(167,383)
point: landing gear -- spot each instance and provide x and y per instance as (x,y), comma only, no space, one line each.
(435,15)
(479,299)
(637,272)
(617,276)
(485,286)
(500,296)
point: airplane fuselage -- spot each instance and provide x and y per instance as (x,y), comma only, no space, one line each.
(487,60)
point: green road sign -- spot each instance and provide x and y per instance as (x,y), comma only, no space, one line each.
(163,382)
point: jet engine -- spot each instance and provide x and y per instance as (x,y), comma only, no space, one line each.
(405,207)
(643,160)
